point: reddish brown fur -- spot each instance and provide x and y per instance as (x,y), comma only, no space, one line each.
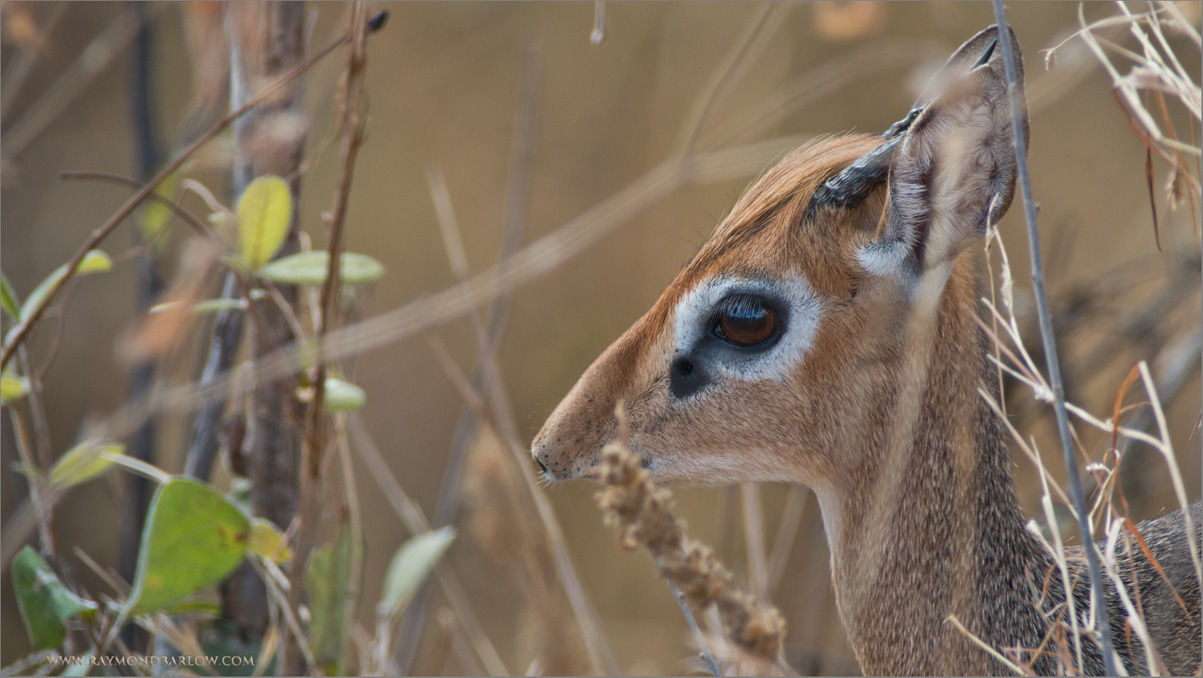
(883,417)
(759,238)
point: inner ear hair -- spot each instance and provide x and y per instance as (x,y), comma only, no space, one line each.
(954,169)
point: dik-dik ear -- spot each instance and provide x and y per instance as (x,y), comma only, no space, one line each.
(953,170)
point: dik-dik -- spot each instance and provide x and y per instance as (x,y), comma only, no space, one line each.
(827,334)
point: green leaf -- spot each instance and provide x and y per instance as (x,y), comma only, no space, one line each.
(94,261)
(155,214)
(309,268)
(264,213)
(211,305)
(343,396)
(8,299)
(327,577)
(44,602)
(12,387)
(414,562)
(216,305)
(83,463)
(194,537)
(266,541)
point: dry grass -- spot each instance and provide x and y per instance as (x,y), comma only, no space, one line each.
(511,518)
(1144,79)
(1154,73)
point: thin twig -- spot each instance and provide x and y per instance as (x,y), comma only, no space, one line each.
(149,286)
(227,335)
(21,331)
(353,136)
(37,410)
(1050,344)
(314,448)
(174,206)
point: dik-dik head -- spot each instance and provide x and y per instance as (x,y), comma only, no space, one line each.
(775,354)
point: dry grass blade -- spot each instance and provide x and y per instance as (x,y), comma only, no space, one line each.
(27,53)
(411,514)
(787,533)
(749,494)
(585,613)
(643,514)
(488,326)
(956,623)
(754,37)
(94,58)
(1144,547)
(820,82)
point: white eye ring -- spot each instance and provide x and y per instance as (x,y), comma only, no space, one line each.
(694,321)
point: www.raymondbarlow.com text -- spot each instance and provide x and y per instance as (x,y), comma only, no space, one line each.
(154,660)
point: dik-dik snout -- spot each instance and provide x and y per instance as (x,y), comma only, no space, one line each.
(774,354)
(705,378)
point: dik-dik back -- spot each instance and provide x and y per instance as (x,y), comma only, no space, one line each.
(828,334)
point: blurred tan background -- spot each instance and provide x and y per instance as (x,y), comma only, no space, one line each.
(443,81)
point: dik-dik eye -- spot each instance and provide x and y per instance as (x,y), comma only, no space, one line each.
(746,321)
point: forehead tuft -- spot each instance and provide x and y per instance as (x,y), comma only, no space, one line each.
(780,196)
(760,237)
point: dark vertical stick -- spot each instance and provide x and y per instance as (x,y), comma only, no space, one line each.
(227,337)
(149,286)
(1050,347)
(266,40)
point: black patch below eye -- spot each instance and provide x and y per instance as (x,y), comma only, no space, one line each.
(686,377)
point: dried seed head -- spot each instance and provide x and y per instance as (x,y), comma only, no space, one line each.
(643,515)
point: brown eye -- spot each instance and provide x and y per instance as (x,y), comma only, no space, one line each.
(745,321)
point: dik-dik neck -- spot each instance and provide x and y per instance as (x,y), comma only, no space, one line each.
(931,526)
